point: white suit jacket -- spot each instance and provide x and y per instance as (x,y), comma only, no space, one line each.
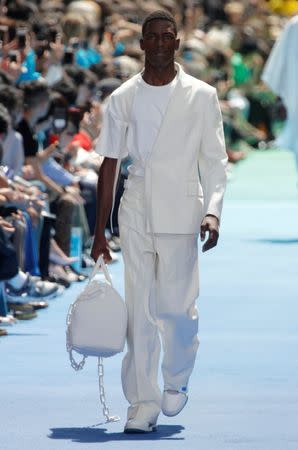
(185,174)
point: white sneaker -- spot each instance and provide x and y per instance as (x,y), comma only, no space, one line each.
(173,402)
(134,426)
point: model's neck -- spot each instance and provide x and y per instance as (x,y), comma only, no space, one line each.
(158,76)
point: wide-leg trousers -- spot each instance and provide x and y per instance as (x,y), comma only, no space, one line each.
(161,288)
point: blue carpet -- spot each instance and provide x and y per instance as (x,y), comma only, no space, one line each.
(244,390)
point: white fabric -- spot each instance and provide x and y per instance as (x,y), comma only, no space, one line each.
(97,320)
(13,151)
(54,74)
(148,110)
(161,275)
(185,173)
(281,75)
(18,281)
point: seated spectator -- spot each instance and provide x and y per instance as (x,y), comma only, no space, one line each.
(13,150)
(64,201)
(19,286)
(21,294)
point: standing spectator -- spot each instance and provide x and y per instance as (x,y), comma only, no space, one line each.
(281,74)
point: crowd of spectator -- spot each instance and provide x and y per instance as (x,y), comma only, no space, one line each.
(59,61)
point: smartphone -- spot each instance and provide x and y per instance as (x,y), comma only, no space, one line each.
(11,33)
(53,35)
(58,147)
(3,33)
(21,37)
(68,56)
(13,55)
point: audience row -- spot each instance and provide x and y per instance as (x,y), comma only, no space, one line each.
(59,62)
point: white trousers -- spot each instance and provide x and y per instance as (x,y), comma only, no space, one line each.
(161,288)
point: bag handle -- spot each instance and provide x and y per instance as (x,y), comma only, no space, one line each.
(101,264)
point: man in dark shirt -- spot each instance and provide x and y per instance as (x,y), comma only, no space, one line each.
(36,104)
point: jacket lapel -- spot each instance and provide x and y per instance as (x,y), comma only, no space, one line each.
(177,99)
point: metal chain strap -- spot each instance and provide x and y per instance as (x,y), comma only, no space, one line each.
(102,395)
(79,366)
(76,366)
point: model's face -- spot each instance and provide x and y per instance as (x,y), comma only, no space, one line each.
(159,43)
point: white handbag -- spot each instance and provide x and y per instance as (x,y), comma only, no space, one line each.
(96,325)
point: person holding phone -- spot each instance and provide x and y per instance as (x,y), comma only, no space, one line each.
(170,125)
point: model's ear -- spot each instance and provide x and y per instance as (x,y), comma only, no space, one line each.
(141,44)
(177,44)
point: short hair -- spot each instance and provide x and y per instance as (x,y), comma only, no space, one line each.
(10,97)
(74,25)
(159,15)
(21,10)
(80,76)
(67,89)
(34,91)
(75,73)
(57,100)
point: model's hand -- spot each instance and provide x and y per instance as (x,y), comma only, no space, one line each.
(100,247)
(209,225)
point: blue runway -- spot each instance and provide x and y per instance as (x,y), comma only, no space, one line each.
(244,390)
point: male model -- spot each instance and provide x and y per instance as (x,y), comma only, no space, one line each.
(170,125)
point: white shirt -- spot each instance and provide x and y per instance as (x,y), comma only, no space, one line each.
(13,151)
(148,109)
